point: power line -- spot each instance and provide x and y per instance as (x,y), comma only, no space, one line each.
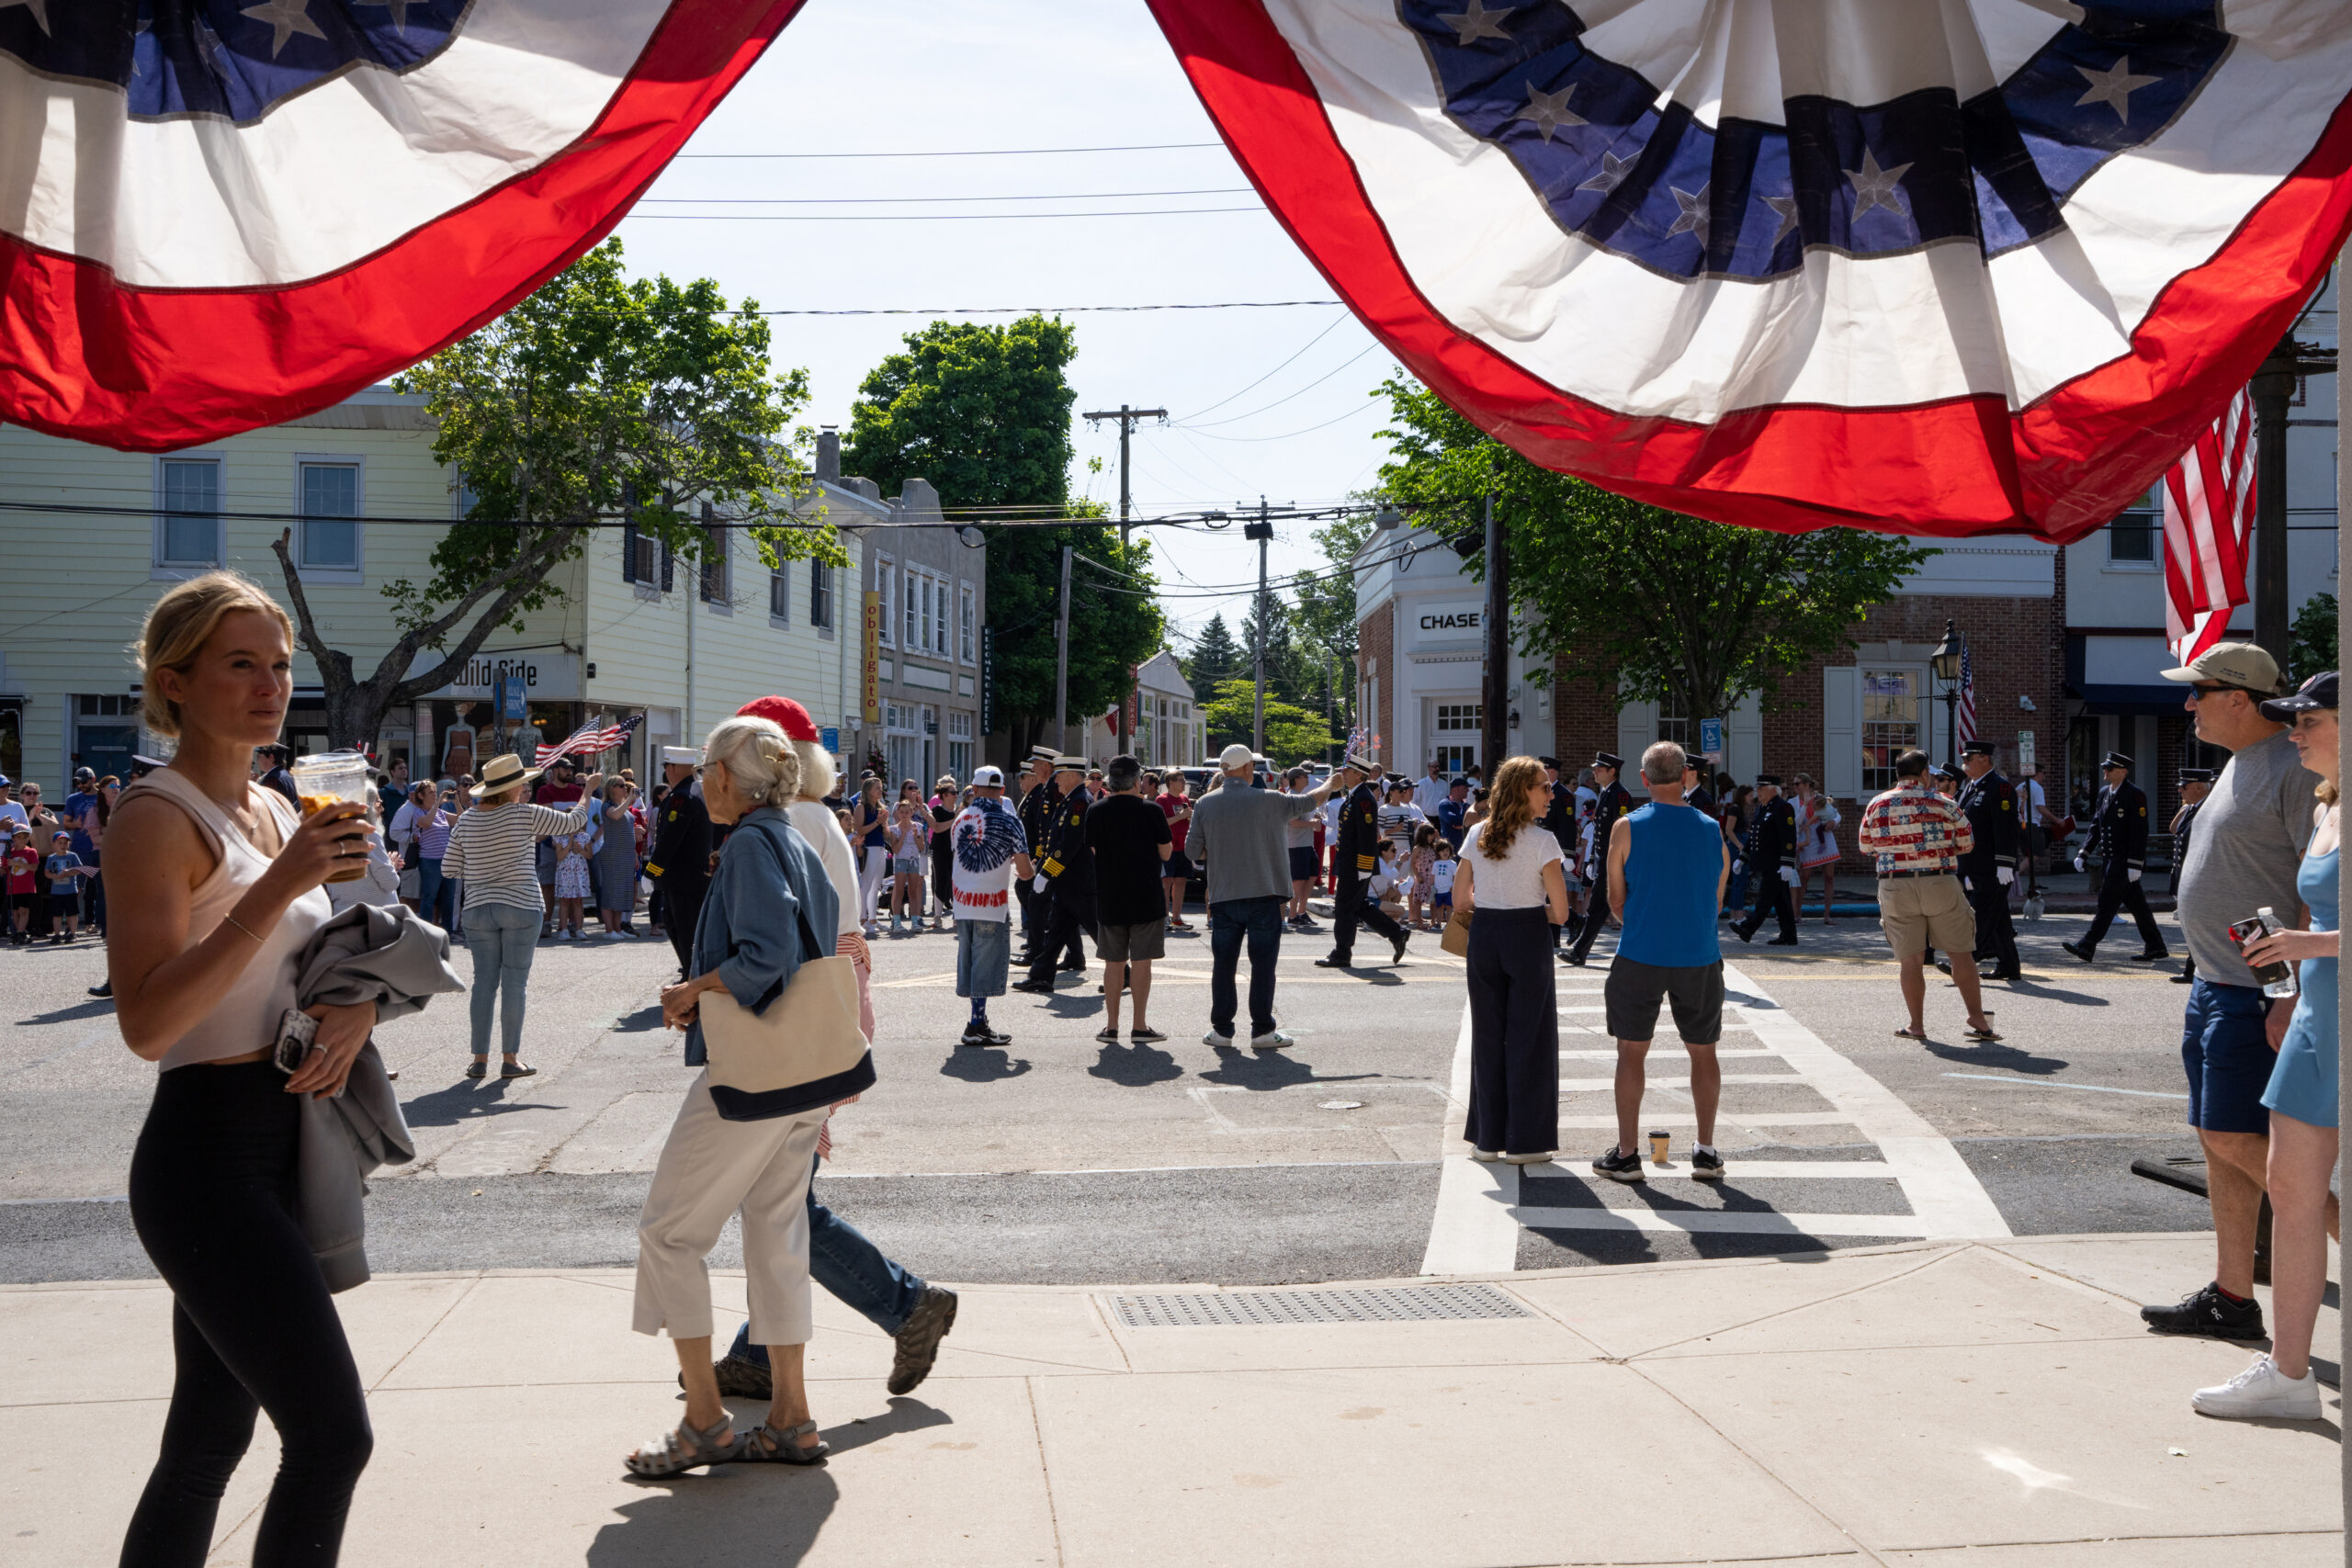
(1288,434)
(1235,419)
(968,152)
(922,217)
(913,200)
(1270,375)
(1062,310)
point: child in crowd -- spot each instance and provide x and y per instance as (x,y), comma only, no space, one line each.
(21,863)
(1383,890)
(1442,883)
(572,853)
(64,870)
(1422,884)
(909,840)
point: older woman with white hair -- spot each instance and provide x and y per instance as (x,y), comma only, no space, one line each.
(732,1151)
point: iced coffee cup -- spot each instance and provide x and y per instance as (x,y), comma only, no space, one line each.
(334,778)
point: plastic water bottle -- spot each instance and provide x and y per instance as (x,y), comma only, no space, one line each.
(2277,978)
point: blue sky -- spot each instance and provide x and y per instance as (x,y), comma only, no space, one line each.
(891,76)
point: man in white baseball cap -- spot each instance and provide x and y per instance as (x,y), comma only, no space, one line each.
(1240,832)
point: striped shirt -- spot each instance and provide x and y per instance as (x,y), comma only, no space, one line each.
(1913,829)
(491,849)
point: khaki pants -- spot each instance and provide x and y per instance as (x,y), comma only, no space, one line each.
(710,1167)
(1920,913)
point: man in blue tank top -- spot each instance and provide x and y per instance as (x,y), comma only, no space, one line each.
(1667,864)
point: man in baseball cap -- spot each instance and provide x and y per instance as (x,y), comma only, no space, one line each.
(2249,842)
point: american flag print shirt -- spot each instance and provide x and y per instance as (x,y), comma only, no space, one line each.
(1915,830)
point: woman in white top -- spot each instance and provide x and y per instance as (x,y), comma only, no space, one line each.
(217,891)
(1510,878)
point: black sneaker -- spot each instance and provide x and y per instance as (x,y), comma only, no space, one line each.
(1706,1166)
(918,1339)
(2207,1314)
(981,1035)
(1619,1167)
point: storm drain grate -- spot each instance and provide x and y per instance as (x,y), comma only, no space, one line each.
(1416,1303)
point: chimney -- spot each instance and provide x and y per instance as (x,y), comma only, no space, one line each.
(829,455)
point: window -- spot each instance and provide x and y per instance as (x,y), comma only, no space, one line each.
(329,491)
(959,744)
(779,596)
(714,567)
(643,558)
(885,587)
(1461,722)
(938,593)
(190,532)
(462,499)
(1890,723)
(967,618)
(821,595)
(912,632)
(1674,726)
(2132,537)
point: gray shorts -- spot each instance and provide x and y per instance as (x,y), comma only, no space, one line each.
(983,957)
(1634,991)
(1133,944)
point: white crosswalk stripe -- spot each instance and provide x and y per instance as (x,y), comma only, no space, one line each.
(1480,1214)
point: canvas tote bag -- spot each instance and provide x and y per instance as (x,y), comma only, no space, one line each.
(806,1051)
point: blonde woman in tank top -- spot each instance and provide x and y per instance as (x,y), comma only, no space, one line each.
(216,892)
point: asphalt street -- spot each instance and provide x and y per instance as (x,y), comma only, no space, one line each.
(1059,1159)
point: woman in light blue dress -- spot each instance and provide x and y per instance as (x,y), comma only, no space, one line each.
(2301,1098)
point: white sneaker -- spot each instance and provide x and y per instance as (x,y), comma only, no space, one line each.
(1213,1039)
(1486,1157)
(1274,1039)
(1543,1158)
(2261,1391)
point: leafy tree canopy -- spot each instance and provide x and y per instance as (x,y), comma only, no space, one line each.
(2311,641)
(598,397)
(983,412)
(1644,603)
(1216,658)
(1294,734)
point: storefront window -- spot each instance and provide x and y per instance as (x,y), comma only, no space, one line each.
(1890,723)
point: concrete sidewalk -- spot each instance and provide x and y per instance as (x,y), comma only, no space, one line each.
(1919,1404)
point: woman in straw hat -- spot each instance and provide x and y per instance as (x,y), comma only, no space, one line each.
(491,852)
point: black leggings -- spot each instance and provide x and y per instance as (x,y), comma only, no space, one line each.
(252,1327)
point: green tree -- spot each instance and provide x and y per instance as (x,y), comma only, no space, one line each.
(1293,674)
(1325,612)
(596,397)
(1643,603)
(1293,733)
(983,412)
(1217,657)
(2311,641)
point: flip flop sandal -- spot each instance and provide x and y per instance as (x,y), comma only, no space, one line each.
(719,1443)
(1982,1036)
(1906,1034)
(764,1444)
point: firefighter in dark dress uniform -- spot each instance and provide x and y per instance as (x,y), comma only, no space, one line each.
(2120,841)
(1771,859)
(1990,802)
(1613,803)
(1560,821)
(1067,866)
(1354,856)
(1037,797)
(679,861)
(2196,784)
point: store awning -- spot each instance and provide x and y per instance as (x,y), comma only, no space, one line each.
(2155,700)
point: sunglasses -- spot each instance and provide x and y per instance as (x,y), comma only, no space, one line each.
(2200,693)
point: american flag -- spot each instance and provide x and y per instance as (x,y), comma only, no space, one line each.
(1967,698)
(2209,518)
(589,738)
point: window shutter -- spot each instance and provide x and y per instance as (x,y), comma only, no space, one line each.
(1636,731)
(669,567)
(1746,740)
(628,552)
(1841,735)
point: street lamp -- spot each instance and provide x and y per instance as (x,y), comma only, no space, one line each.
(1945,661)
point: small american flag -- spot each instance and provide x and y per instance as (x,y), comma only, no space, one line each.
(2209,519)
(1967,698)
(589,738)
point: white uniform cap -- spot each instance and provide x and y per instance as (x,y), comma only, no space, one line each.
(681,756)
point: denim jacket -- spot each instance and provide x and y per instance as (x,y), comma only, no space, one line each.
(750,931)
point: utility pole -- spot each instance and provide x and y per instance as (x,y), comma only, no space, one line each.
(1127,417)
(1494,695)
(1261,531)
(1061,659)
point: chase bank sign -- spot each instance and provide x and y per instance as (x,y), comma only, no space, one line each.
(1451,620)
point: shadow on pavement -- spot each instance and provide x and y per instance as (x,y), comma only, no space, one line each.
(69,1015)
(1269,1070)
(1135,1065)
(982,1063)
(2007,1057)
(463,1102)
(639,1023)
(764,1513)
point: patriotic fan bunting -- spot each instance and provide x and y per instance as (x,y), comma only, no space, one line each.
(1935,266)
(220,214)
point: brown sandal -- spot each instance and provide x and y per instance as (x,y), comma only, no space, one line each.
(767,1444)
